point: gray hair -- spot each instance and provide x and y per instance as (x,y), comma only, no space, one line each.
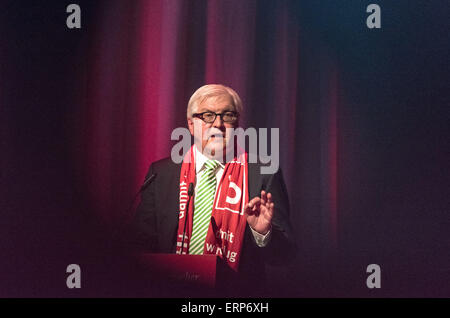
(212,91)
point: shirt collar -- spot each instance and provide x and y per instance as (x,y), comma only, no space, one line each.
(200,160)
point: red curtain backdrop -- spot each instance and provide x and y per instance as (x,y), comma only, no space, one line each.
(148,57)
(362,113)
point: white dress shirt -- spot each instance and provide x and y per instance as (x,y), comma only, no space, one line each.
(200,159)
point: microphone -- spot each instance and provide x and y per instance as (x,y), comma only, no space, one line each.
(147,182)
(124,231)
(143,187)
(191,189)
(190,193)
(215,228)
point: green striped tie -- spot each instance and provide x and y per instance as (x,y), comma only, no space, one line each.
(203,207)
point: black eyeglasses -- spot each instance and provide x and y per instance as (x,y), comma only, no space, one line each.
(210,117)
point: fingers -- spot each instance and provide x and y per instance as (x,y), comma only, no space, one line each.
(269,197)
(269,204)
(253,206)
(266,199)
(263,197)
(270,209)
(254,202)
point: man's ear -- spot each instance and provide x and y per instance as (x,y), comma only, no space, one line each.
(191,126)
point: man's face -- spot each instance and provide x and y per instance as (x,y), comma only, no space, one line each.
(214,136)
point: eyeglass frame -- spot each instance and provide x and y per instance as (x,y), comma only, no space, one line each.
(200,116)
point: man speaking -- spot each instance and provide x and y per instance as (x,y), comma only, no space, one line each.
(216,201)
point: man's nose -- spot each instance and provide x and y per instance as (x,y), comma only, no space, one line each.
(218,122)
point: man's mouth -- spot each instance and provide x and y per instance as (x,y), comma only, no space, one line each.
(216,137)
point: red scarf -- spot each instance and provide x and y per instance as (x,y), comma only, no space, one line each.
(226,229)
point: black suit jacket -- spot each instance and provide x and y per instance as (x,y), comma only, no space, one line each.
(156,221)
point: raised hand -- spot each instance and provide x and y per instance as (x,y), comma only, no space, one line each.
(259,212)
